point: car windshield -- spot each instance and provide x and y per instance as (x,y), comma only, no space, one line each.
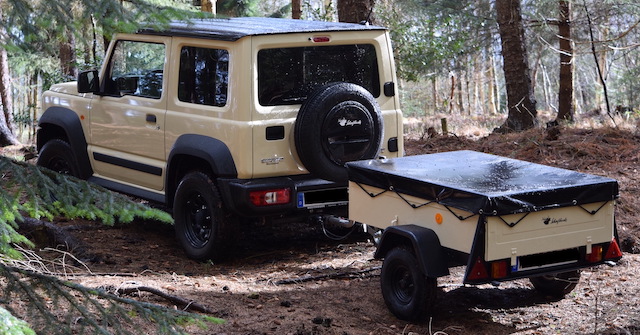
(286,76)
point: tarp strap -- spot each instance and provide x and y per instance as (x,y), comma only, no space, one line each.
(413,205)
(373,195)
(512,224)
(460,217)
(596,211)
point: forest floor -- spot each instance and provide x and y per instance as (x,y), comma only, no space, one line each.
(293,280)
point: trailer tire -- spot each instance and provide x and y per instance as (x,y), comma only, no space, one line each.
(407,292)
(556,285)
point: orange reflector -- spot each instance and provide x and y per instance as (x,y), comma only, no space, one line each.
(270,197)
(479,270)
(439,218)
(595,255)
(499,269)
(613,252)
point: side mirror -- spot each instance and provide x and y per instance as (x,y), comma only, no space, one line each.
(88,82)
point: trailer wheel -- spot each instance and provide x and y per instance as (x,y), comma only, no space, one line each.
(556,285)
(407,292)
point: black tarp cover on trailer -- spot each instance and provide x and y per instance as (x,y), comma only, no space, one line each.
(482,183)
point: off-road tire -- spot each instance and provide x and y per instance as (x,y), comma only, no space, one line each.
(200,218)
(407,292)
(56,155)
(338,123)
(557,285)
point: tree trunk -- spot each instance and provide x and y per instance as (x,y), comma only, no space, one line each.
(521,102)
(68,57)
(565,91)
(355,11)
(296,9)
(6,117)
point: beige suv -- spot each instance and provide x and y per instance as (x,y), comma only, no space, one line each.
(225,119)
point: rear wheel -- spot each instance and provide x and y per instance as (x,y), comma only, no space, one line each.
(556,285)
(57,155)
(199,217)
(409,295)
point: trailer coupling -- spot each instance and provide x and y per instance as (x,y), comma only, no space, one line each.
(338,223)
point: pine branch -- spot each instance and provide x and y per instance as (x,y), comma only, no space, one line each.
(55,306)
(29,190)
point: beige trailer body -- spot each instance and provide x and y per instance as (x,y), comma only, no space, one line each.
(534,233)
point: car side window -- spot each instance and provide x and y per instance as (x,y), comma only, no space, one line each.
(136,69)
(203,76)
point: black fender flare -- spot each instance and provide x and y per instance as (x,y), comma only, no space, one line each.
(211,150)
(66,120)
(423,241)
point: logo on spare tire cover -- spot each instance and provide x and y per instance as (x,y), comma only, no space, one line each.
(343,122)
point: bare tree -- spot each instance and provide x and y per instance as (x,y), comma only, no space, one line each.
(521,102)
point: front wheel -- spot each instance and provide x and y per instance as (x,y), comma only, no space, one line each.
(57,155)
(556,285)
(199,217)
(407,292)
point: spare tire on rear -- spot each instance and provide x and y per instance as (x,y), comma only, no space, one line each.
(338,123)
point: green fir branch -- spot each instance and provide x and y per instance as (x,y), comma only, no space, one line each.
(28,190)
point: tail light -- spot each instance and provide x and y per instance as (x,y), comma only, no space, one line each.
(270,197)
(595,255)
(499,269)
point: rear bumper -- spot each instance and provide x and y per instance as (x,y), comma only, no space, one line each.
(308,195)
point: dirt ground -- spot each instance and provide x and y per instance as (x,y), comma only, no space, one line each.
(293,280)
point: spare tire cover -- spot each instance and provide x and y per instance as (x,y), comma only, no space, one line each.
(338,123)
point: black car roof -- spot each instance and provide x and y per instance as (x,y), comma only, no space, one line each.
(233,29)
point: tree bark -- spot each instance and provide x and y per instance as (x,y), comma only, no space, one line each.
(296,9)
(355,11)
(521,102)
(68,57)
(6,117)
(565,91)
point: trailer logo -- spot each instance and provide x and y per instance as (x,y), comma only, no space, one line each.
(548,221)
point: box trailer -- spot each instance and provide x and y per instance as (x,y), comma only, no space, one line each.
(502,218)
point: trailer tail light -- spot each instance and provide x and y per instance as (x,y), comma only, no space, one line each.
(478,271)
(595,255)
(613,252)
(499,269)
(270,197)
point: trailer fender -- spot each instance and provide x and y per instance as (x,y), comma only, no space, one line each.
(423,241)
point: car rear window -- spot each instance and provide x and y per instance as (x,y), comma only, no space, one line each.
(286,76)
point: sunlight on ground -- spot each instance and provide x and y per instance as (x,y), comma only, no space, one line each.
(477,126)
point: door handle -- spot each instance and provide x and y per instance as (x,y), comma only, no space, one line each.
(151,118)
